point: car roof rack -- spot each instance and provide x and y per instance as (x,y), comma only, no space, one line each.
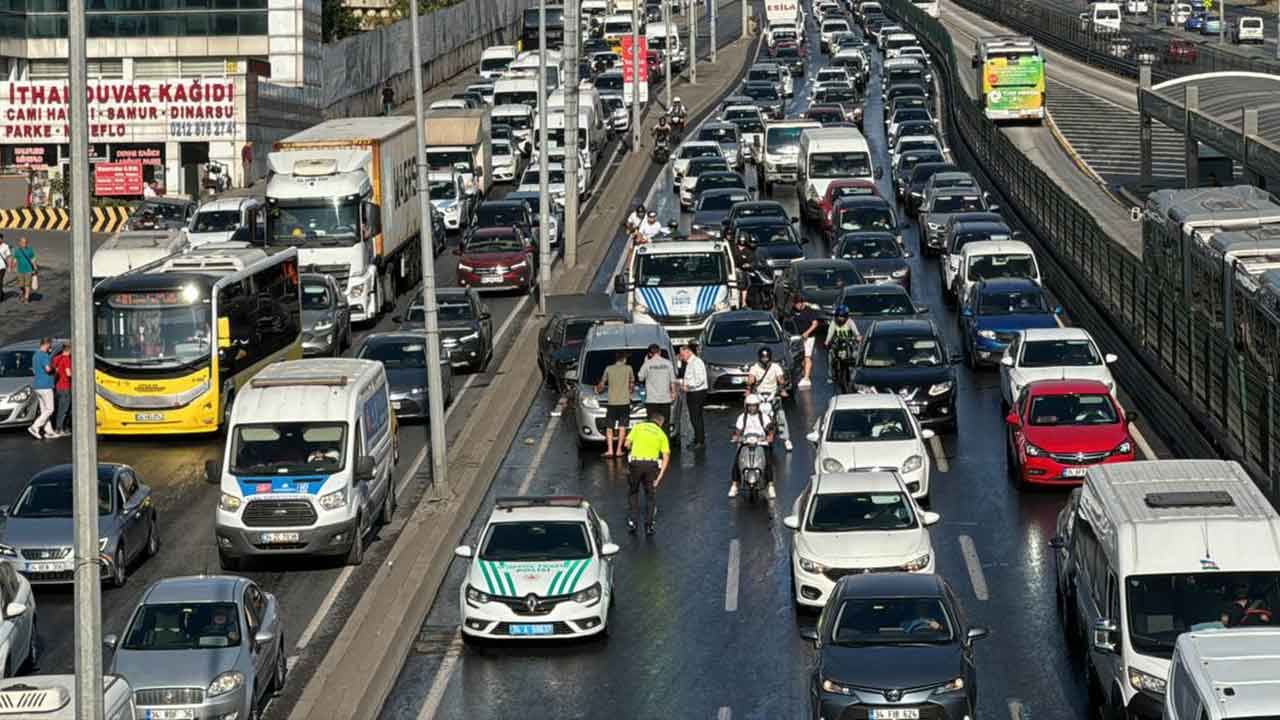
(1190,498)
(526,501)
(321,381)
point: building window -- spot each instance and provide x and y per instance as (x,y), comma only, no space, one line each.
(137,18)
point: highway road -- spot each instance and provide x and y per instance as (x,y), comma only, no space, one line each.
(316,596)
(704,626)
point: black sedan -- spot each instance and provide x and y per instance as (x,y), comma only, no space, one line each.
(920,174)
(820,283)
(877,256)
(894,645)
(755,208)
(732,339)
(326,317)
(766,96)
(881,301)
(862,212)
(466,327)
(572,317)
(711,207)
(908,358)
(404,356)
(770,243)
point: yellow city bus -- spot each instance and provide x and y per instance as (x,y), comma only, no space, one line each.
(175,339)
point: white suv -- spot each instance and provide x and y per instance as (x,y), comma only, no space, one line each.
(851,523)
(873,432)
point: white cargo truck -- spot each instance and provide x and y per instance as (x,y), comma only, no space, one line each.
(458,140)
(345,194)
(783,12)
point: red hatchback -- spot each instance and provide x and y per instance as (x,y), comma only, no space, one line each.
(836,191)
(1059,428)
(498,258)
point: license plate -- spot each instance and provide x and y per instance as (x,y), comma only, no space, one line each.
(494,280)
(148,417)
(44,567)
(271,538)
(531,629)
(1075,471)
(896,714)
(174,714)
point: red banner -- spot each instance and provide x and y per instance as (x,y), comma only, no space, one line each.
(627,62)
(117,178)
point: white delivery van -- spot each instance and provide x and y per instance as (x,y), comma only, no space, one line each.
(517,90)
(616,26)
(218,219)
(1224,675)
(53,697)
(588,101)
(670,43)
(307,468)
(679,284)
(495,59)
(526,63)
(1147,551)
(828,154)
(1103,17)
(990,259)
(590,141)
(130,249)
(518,117)
(781,150)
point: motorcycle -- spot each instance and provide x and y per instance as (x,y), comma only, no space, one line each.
(677,124)
(661,150)
(759,288)
(752,465)
(840,360)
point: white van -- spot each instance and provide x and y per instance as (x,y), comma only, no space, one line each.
(671,44)
(590,141)
(588,100)
(1149,550)
(495,59)
(53,697)
(1224,675)
(307,468)
(129,249)
(1103,17)
(988,259)
(517,116)
(218,219)
(1178,14)
(828,154)
(526,65)
(679,284)
(616,27)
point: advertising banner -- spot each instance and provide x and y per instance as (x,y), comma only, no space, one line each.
(117,178)
(628,66)
(1013,86)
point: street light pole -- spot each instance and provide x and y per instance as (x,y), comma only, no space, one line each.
(715,6)
(693,42)
(1222,22)
(544,199)
(668,43)
(572,32)
(635,76)
(84,438)
(435,379)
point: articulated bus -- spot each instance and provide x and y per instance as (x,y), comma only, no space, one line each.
(1011,75)
(529,28)
(930,7)
(175,339)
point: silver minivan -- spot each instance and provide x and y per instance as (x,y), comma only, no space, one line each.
(600,350)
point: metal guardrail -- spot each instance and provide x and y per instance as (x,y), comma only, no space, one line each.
(1205,398)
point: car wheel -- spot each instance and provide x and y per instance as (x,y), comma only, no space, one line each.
(153,540)
(119,573)
(282,672)
(230,562)
(355,555)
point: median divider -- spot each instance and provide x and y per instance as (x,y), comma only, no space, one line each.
(361,666)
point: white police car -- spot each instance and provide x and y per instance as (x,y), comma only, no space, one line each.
(543,568)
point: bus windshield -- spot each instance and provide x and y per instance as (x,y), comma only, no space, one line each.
(313,223)
(154,330)
(843,165)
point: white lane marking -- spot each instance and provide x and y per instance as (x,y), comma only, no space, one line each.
(724,713)
(971,561)
(939,454)
(538,454)
(322,612)
(731,580)
(450,662)
(1015,709)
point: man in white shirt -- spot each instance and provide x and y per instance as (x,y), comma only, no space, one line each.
(754,420)
(650,228)
(769,379)
(694,385)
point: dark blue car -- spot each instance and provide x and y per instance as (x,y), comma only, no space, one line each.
(1194,21)
(995,311)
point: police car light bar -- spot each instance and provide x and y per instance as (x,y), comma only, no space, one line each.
(509,503)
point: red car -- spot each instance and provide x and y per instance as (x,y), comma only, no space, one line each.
(1181,51)
(498,258)
(825,114)
(1059,428)
(838,189)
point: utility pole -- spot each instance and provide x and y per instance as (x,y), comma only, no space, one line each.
(544,199)
(714,7)
(572,31)
(693,42)
(435,379)
(635,76)
(1222,23)
(84,438)
(669,41)
(746,12)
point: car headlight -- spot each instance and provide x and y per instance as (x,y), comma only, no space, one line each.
(934,226)
(470,337)
(333,500)
(476,596)
(953,685)
(1123,448)
(1034,451)
(900,273)
(913,463)
(8,551)
(357,289)
(322,326)
(225,683)
(229,502)
(465,267)
(21,396)
(591,402)
(589,595)
(417,390)
(941,388)
(811,566)
(988,334)
(520,265)
(835,687)
(1146,681)
(832,465)
(917,564)
(102,544)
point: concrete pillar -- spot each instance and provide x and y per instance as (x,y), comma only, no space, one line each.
(1144,129)
(1249,129)
(1191,147)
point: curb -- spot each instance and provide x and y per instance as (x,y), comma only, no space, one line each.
(1076,158)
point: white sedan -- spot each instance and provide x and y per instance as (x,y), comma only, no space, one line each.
(850,523)
(873,432)
(691,150)
(1066,353)
(555,180)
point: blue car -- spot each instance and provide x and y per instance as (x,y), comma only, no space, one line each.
(994,313)
(1211,25)
(1194,22)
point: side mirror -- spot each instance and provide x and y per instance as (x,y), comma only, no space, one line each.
(791,522)
(1006,360)
(812,437)
(927,434)
(993,208)
(14,609)
(110,640)
(462,551)
(1013,419)
(1110,358)
(930,518)
(364,469)
(1131,416)
(262,637)
(619,284)
(213,472)
(1105,633)
(1057,542)
(921,308)
(976,633)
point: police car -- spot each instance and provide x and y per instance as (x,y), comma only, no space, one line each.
(543,568)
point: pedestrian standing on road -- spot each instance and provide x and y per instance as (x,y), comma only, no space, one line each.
(695,391)
(619,380)
(62,391)
(659,378)
(650,454)
(43,383)
(807,324)
(25,257)
(388,98)
(6,259)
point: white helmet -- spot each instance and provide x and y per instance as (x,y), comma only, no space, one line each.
(753,399)
(675,99)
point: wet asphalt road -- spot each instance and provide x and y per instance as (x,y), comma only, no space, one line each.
(685,642)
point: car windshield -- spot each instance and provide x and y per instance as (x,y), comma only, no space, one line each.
(443,190)
(720,201)
(736,332)
(870,247)
(689,152)
(964,238)
(153,215)
(836,95)
(524,541)
(697,166)
(448,158)
(917,127)
(316,296)
(911,113)
(907,146)
(555,176)
(1161,607)
(1012,302)
(277,449)
(761,235)
(836,165)
(870,425)
(844,191)
(901,351)
(956,203)
(723,135)
(50,497)
(183,626)
(396,354)
(762,210)
(493,244)
(498,216)
(16,363)
(860,512)
(892,621)
(879,304)
(1059,353)
(787,52)
(215,221)
(718,180)
(500,149)
(825,115)
(682,269)
(515,122)
(1083,409)
(866,217)
(576,331)
(447,310)
(777,138)
(830,278)
(759,75)
(736,115)
(987,267)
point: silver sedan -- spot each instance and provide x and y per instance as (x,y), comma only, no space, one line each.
(18,403)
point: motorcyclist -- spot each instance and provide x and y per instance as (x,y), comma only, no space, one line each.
(650,228)
(677,111)
(753,421)
(841,329)
(635,218)
(769,380)
(661,131)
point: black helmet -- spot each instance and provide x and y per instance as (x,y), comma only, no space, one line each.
(764,354)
